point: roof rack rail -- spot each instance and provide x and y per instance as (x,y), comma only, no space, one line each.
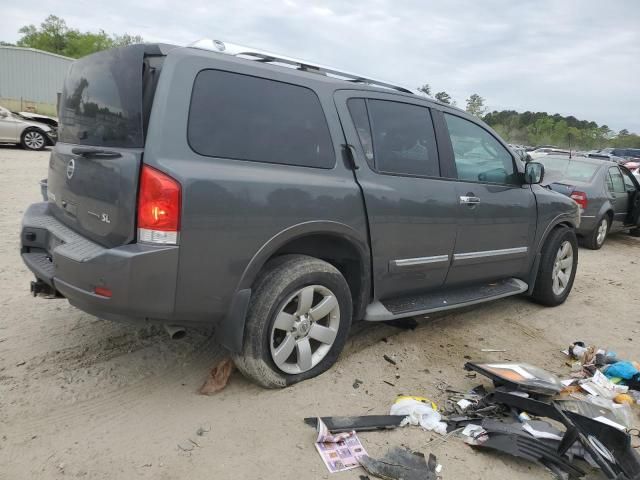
(269,57)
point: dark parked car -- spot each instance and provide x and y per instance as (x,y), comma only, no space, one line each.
(608,195)
(627,154)
(280,204)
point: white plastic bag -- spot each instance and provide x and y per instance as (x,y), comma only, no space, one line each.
(418,413)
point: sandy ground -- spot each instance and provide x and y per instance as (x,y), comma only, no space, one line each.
(82,397)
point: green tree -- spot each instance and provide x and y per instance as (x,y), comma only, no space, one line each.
(475,105)
(443,97)
(426,89)
(55,36)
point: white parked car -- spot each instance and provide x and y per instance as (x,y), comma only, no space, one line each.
(543,152)
(32,134)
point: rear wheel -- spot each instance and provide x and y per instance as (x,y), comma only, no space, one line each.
(595,239)
(33,140)
(298,321)
(557,268)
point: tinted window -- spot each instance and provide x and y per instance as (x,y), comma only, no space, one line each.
(101,102)
(479,156)
(358,111)
(403,138)
(249,118)
(617,182)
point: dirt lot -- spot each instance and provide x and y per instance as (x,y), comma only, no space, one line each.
(82,397)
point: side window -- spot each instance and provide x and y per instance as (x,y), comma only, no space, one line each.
(358,111)
(479,156)
(617,182)
(249,118)
(403,138)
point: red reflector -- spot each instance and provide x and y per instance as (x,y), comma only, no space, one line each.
(159,201)
(103,292)
(580,198)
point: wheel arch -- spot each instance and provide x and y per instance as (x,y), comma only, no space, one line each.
(30,128)
(334,242)
(561,221)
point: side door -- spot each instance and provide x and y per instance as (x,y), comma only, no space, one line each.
(633,195)
(8,126)
(496,213)
(618,197)
(411,209)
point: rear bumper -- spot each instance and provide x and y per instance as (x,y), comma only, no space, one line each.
(587,225)
(142,278)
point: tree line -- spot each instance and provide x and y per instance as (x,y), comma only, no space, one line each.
(53,35)
(542,128)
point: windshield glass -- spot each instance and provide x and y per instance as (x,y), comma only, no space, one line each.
(101,100)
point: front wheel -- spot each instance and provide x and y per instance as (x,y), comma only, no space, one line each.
(298,321)
(33,140)
(557,269)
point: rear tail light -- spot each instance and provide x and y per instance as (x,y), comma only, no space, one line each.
(580,198)
(158,207)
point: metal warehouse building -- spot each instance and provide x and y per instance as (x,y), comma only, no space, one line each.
(31,79)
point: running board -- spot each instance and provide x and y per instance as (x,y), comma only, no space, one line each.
(443,300)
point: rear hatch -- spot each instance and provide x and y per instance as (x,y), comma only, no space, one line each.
(94,167)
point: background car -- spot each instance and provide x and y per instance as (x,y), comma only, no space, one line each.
(627,154)
(544,151)
(31,134)
(608,195)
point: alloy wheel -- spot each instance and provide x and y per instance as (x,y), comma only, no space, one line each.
(562,268)
(304,329)
(34,140)
(603,227)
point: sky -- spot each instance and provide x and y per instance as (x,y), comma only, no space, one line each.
(573,57)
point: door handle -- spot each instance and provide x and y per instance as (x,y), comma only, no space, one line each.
(471,201)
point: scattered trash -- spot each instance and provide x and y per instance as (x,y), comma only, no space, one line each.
(201,430)
(510,419)
(357,383)
(340,451)
(218,377)
(419,413)
(492,350)
(402,464)
(389,359)
(20,363)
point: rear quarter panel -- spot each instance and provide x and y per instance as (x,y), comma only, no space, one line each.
(231,209)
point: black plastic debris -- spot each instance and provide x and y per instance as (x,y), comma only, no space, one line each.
(359,424)
(400,463)
(522,391)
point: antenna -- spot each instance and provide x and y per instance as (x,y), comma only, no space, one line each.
(269,57)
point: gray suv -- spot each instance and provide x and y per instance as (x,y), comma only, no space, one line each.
(279,201)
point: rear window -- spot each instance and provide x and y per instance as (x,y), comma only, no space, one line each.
(101,101)
(400,139)
(565,169)
(248,118)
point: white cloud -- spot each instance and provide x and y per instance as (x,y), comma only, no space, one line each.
(575,57)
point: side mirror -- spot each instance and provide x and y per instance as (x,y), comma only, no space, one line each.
(533,173)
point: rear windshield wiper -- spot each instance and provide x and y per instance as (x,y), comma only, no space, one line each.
(95,152)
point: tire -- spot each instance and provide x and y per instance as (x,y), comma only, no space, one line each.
(33,139)
(635,232)
(278,294)
(545,291)
(595,239)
